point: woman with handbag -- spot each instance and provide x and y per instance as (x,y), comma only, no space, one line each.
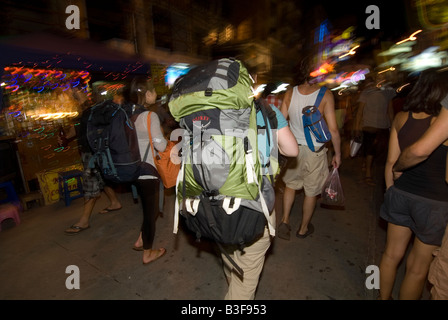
(142,92)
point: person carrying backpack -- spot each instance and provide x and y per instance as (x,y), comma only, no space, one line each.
(252,258)
(141,92)
(225,187)
(93,182)
(310,169)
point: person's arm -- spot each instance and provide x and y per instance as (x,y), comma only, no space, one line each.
(284,108)
(158,138)
(286,141)
(446,169)
(330,118)
(287,144)
(422,148)
(394,148)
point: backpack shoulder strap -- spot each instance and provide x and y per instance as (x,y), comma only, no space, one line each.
(320,96)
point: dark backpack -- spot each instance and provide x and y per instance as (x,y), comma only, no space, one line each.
(314,123)
(113,141)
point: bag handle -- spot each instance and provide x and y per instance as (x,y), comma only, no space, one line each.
(148,121)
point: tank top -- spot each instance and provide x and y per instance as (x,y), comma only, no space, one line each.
(426,179)
(298,102)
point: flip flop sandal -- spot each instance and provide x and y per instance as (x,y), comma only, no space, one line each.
(107,210)
(310,231)
(78,228)
(284,231)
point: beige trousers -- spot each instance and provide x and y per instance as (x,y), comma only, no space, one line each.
(252,262)
(438,271)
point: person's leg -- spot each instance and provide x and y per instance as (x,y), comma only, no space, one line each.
(252,262)
(316,173)
(309,204)
(369,164)
(438,271)
(115,204)
(92,185)
(284,229)
(288,201)
(417,266)
(396,244)
(86,213)
(84,220)
(148,191)
(293,182)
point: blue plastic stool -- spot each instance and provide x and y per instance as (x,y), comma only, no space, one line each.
(64,180)
(11,195)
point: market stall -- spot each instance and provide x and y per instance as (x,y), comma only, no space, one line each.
(46,82)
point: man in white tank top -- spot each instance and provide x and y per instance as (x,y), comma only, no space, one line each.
(309,169)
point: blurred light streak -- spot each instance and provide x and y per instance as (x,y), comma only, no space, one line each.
(411,37)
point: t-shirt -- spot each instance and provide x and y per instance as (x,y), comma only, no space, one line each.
(376,101)
(263,147)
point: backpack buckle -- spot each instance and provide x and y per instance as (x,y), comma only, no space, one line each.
(208,92)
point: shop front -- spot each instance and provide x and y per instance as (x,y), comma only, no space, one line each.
(43,93)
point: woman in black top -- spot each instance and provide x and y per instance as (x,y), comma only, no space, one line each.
(415,204)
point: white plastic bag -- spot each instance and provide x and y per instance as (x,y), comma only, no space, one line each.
(355,145)
(332,193)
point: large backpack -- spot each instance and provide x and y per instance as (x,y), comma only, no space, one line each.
(314,123)
(113,140)
(221,190)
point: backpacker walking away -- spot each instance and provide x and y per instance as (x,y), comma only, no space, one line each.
(310,169)
(113,140)
(222,190)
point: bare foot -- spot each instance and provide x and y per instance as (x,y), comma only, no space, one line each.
(152,255)
(138,245)
(109,209)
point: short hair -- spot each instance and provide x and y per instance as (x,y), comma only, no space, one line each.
(429,90)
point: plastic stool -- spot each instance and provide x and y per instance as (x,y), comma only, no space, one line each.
(10,192)
(32,196)
(9,211)
(64,179)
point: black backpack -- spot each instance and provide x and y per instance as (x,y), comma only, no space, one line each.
(113,141)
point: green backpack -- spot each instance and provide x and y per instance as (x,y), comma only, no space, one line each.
(221,190)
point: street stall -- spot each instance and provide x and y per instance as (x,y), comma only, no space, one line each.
(46,82)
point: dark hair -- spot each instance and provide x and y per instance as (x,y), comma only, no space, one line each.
(427,93)
(302,70)
(268,89)
(136,90)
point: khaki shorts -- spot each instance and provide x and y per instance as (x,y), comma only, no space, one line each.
(308,171)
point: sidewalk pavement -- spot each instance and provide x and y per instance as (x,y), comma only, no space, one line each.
(330,264)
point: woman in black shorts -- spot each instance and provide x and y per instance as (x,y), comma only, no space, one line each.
(415,204)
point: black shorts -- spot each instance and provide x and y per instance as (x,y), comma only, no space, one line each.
(426,218)
(375,141)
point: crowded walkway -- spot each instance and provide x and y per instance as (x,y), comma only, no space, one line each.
(330,264)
